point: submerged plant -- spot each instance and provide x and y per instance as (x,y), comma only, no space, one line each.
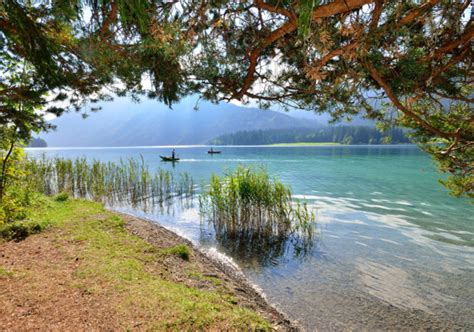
(248,206)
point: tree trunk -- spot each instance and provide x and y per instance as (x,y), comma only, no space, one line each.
(3,179)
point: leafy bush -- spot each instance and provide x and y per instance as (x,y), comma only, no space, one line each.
(18,231)
(17,194)
(61,197)
(13,208)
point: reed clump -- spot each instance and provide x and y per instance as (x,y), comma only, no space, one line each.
(126,182)
(249,206)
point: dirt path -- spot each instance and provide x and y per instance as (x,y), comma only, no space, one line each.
(41,293)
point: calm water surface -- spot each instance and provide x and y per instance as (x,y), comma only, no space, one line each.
(393,249)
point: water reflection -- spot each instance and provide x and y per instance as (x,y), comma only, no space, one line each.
(262,252)
(183,210)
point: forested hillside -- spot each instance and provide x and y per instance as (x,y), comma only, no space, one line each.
(334,134)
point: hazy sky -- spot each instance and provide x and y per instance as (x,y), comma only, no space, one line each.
(190,101)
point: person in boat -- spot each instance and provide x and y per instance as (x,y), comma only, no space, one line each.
(212,150)
(173,153)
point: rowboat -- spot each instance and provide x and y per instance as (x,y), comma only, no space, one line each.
(164,158)
(214,151)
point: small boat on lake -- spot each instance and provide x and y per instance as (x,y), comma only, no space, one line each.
(173,159)
(212,151)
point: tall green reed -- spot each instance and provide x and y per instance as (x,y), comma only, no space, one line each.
(248,205)
(113,183)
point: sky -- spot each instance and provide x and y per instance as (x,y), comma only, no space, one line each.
(119,102)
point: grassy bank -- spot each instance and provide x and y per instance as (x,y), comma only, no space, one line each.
(86,270)
(306,144)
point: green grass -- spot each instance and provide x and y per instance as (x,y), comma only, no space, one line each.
(180,250)
(42,213)
(120,265)
(306,144)
(5,273)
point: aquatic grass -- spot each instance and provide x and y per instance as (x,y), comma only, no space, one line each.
(247,206)
(129,182)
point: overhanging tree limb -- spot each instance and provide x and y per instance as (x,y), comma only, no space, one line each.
(336,7)
(393,98)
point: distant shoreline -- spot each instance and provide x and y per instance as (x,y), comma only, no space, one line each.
(305,144)
(186,146)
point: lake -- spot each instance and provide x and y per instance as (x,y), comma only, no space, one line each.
(393,249)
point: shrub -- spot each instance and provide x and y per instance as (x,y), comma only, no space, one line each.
(62,197)
(18,231)
(16,194)
(15,204)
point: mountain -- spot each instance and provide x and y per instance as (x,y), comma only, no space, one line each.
(37,143)
(124,123)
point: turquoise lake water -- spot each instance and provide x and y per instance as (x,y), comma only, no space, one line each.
(393,249)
